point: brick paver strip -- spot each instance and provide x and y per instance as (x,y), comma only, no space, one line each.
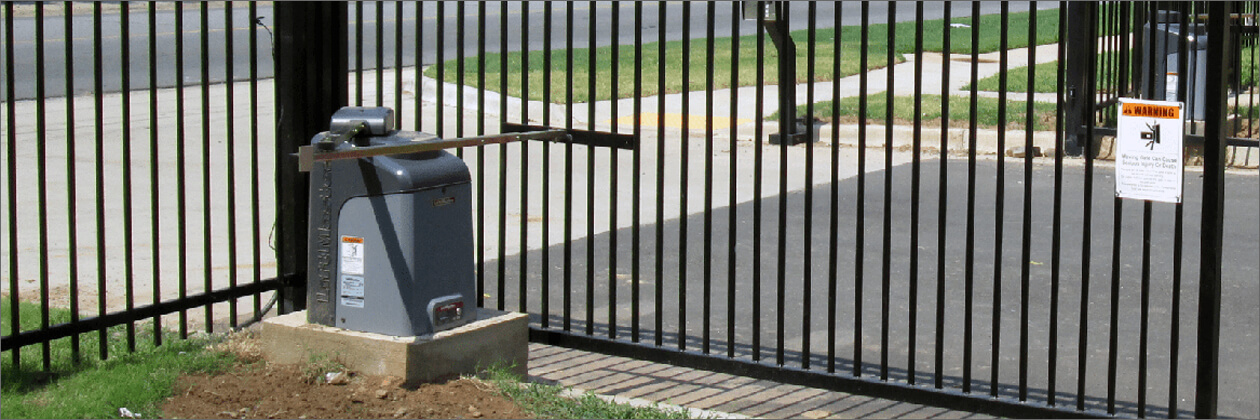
(699,389)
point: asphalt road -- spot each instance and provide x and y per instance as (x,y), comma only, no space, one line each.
(1239,314)
(219,27)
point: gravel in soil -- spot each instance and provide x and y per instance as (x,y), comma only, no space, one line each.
(262,390)
(253,388)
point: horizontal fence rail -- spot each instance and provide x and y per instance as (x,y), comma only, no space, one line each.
(928,228)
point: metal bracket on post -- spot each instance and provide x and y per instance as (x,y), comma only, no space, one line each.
(775,21)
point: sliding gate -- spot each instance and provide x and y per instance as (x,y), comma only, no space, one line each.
(931,241)
(925,230)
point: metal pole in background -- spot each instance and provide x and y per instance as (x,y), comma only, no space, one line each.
(311,71)
(1214,143)
(1081,51)
(780,35)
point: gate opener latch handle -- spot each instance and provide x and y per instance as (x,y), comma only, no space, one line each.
(356,130)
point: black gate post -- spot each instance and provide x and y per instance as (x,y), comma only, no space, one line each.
(1082,49)
(1212,230)
(311,72)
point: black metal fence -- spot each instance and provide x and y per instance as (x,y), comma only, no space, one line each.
(135,191)
(896,251)
(1158,50)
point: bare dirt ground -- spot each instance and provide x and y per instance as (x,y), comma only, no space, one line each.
(256,389)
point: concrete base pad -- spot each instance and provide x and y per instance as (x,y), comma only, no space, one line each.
(496,337)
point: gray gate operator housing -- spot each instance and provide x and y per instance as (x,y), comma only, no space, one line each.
(390,241)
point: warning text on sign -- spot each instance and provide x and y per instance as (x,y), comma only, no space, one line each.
(1149,137)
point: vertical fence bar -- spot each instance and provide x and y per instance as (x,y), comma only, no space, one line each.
(1174,333)
(398,64)
(1087,207)
(230,110)
(1121,85)
(1209,332)
(460,36)
(99,102)
(524,252)
(781,257)
(732,205)
(682,176)
(613,169)
(590,172)
(707,256)
(999,198)
(124,15)
(759,131)
(942,200)
(969,266)
(11,138)
(661,22)
(481,152)
(419,86)
(524,221)
(1026,239)
(72,188)
(637,185)
(1056,223)
(503,153)
(380,53)
(439,50)
(500,294)
(255,224)
(1145,307)
(358,52)
(859,224)
(156,225)
(545,299)
(205,159)
(1152,22)
(567,272)
(807,265)
(886,240)
(41,170)
(913,309)
(833,243)
(181,198)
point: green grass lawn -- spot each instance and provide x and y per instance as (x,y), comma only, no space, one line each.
(95,388)
(959,112)
(548,401)
(849,40)
(141,381)
(1045,77)
(1046,74)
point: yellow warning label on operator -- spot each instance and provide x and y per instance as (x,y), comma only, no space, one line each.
(1171,112)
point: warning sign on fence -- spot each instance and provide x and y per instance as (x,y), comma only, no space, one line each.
(1149,138)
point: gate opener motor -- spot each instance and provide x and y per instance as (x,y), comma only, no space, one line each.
(390,240)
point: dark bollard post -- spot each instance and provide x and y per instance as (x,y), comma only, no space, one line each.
(1207,382)
(311,71)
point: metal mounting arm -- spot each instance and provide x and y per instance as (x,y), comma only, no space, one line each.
(308,155)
